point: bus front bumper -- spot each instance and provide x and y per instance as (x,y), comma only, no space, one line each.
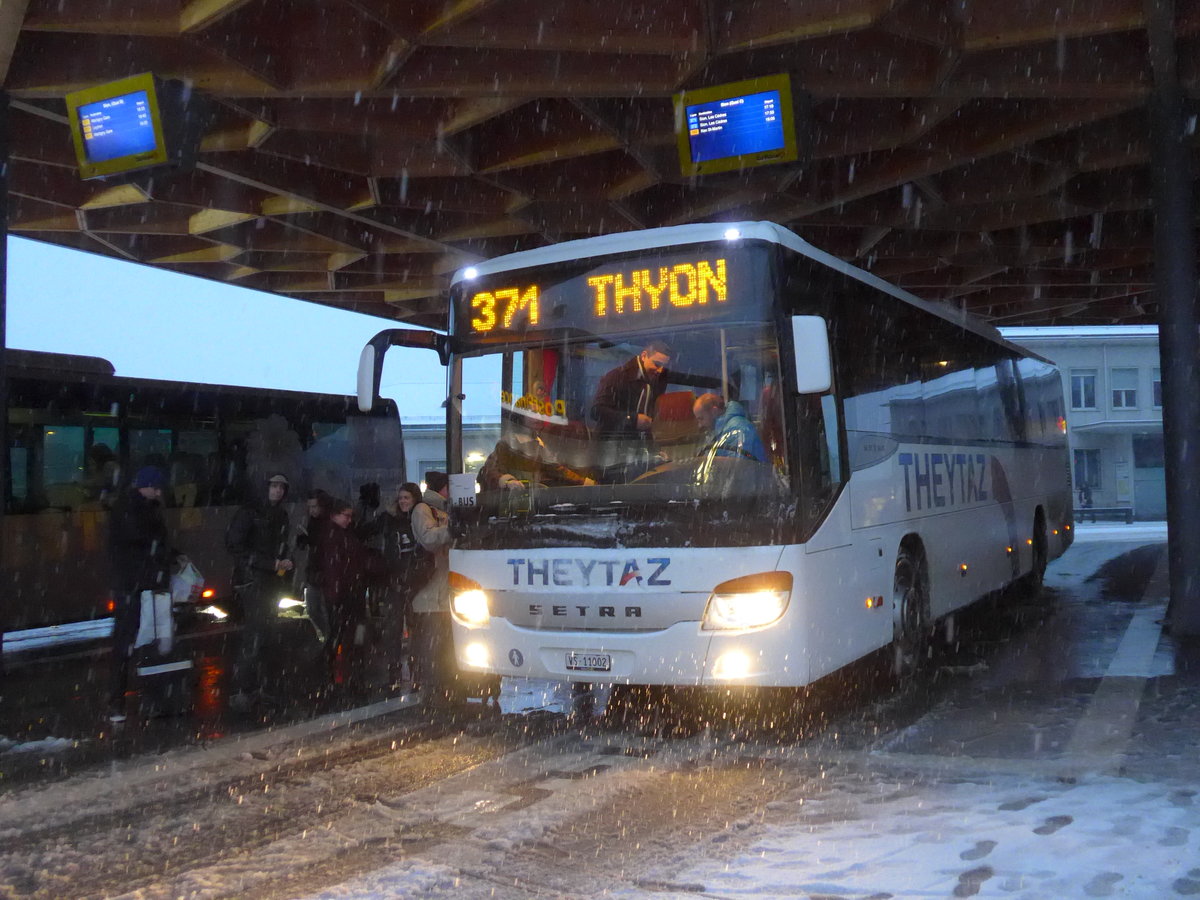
(682,654)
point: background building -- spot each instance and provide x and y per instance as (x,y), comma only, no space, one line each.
(1113,386)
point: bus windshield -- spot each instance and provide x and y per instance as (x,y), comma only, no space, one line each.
(585,420)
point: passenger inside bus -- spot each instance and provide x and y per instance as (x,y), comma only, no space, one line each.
(522,458)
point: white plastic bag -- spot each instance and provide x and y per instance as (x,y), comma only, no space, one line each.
(186,584)
(157,623)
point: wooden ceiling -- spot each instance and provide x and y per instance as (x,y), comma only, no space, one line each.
(993,155)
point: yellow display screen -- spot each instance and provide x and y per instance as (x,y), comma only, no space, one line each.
(620,295)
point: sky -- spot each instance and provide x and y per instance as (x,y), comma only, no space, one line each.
(152,323)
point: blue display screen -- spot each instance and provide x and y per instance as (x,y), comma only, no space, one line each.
(735,126)
(117,126)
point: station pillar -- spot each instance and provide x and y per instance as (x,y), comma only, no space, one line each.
(3,343)
(1178,338)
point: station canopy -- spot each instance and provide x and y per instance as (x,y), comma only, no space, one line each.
(991,155)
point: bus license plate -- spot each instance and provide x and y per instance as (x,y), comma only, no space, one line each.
(589,662)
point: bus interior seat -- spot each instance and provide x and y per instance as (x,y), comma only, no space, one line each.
(673,420)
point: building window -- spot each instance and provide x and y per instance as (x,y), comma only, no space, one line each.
(1087,469)
(1148,451)
(1083,389)
(1157,388)
(1124,388)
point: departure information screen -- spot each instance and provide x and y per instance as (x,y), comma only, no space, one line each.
(677,287)
(735,126)
(117,126)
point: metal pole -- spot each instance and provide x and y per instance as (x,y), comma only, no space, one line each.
(4,585)
(1178,338)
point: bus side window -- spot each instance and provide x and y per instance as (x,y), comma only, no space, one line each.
(63,465)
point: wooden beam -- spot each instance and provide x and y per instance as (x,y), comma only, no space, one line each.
(12,16)
(118,195)
(217,253)
(199,14)
(147,18)
(990,26)
(770,24)
(455,12)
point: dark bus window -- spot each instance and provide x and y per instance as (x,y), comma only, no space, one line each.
(62,465)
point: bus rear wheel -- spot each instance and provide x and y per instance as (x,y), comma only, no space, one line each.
(910,602)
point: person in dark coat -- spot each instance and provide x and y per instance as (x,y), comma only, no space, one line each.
(626,396)
(309,538)
(257,537)
(407,566)
(346,568)
(140,558)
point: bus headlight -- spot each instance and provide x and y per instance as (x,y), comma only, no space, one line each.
(289,602)
(752,601)
(468,601)
(471,608)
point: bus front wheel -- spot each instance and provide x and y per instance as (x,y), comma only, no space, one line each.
(910,603)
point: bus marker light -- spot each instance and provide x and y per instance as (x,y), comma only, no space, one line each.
(476,655)
(732,664)
(962,569)
(732,234)
(208,594)
(1008,549)
(1029,541)
(1056,531)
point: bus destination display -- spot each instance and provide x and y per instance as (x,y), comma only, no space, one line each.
(117,126)
(734,126)
(631,295)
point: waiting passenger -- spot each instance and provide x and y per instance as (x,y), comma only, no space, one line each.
(346,568)
(309,538)
(433,650)
(409,568)
(729,432)
(257,537)
(140,558)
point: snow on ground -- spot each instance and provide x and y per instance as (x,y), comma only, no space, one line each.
(875,827)
(1010,836)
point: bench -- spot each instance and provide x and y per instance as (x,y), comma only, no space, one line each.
(1104,512)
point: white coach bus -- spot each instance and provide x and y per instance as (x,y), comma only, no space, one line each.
(724,457)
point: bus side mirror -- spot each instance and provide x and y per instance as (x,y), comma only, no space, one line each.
(810,353)
(369,375)
(370,361)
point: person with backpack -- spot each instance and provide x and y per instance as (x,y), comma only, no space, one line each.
(433,647)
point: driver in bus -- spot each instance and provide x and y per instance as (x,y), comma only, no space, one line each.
(626,397)
(728,430)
